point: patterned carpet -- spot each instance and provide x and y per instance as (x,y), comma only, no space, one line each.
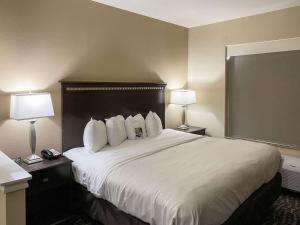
(285,211)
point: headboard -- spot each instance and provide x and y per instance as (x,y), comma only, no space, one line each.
(101,100)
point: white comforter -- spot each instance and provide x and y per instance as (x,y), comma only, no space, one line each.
(177,178)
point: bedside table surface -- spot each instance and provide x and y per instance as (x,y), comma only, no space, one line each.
(45,164)
(191,129)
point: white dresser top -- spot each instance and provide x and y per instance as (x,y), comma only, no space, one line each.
(291,163)
(11,173)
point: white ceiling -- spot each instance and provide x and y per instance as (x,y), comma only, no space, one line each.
(191,13)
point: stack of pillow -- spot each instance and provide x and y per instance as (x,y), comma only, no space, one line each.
(116,129)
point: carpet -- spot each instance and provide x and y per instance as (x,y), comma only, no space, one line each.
(285,211)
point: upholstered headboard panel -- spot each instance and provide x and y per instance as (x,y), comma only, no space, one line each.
(101,100)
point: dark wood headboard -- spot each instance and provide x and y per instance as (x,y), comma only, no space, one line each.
(101,100)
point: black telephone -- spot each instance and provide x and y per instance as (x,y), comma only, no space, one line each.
(50,154)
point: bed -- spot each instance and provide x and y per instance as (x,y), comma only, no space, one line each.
(175,178)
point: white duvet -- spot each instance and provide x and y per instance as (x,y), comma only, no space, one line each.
(177,178)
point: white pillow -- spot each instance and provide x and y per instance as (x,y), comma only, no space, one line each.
(135,127)
(153,124)
(116,132)
(94,135)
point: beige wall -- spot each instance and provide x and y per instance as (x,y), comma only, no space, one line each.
(42,42)
(206,63)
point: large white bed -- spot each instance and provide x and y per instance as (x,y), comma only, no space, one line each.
(177,178)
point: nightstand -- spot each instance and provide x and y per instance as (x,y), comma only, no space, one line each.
(49,194)
(193,130)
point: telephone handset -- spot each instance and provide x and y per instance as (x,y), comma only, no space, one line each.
(50,154)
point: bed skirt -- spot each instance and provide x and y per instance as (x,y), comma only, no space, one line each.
(250,212)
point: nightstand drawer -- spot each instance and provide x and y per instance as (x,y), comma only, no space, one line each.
(49,178)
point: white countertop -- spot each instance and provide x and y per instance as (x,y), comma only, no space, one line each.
(291,163)
(11,173)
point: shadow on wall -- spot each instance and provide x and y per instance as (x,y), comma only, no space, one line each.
(14,135)
(43,42)
(4,109)
(208,112)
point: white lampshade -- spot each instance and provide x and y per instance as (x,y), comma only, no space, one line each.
(183,97)
(31,106)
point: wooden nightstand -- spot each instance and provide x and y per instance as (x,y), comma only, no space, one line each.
(193,130)
(49,194)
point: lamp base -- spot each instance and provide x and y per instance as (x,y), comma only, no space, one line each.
(183,127)
(32,159)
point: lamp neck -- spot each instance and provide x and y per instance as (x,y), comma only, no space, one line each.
(184,114)
(32,136)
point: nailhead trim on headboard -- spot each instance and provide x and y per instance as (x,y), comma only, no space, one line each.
(112,88)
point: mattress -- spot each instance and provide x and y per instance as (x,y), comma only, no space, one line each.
(177,178)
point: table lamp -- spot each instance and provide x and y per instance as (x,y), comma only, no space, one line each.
(31,106)
(184,98)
